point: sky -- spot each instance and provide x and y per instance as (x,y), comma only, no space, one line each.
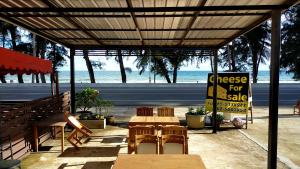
(112,65)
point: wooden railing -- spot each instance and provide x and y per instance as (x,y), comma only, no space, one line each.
(16,121)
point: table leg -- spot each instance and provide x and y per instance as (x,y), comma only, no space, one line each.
(36,138)
(62,138)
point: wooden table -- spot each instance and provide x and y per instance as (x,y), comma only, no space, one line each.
(37,125)
(153,120)
(154,161)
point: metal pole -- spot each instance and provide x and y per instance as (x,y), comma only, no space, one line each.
(72,80)
(149,64)
(274,87)
(215,90)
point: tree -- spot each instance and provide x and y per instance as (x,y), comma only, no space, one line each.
(259,44)
(89,66)
(14,38)
(290,53)
(154,56)
(41,45)
(56,54)
(119,58)
(4,33)
(235,57)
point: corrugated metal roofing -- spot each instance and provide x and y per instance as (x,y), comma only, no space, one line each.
(93,26)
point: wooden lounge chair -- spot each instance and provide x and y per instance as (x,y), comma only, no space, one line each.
(165,111)
(176,130)
(146,144)
(144,111)
(297,106)
(138,130)
(172,144)
(78,132)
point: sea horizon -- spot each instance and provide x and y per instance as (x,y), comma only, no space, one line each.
(104,76)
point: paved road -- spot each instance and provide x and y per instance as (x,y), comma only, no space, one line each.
(148,94)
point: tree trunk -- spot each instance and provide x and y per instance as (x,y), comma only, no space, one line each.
(13,30)
(211,63)
(37,78)
(42,54)
(163,69)
(233,65)
(122,69)
(254,66)
(2,78)
(89,66)
(175,73)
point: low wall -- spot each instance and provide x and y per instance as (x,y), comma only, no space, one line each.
(17,120)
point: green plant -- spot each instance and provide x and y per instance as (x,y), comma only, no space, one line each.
(86,99)
(199,111)
(190,111)
(103,106)
(219,118)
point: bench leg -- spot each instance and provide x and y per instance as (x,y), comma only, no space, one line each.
(36,138)
(62,138)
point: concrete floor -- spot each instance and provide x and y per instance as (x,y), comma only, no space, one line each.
(233,148)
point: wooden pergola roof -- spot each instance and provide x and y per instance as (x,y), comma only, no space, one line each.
(103,24)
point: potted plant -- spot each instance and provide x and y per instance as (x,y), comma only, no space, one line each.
(195,119)
(103,106)
(86,100)
(219,119)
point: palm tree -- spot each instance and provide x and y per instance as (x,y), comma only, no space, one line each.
(235,56)
(259,42)
(89,66)
(159,64)
(121,64)
(119,58)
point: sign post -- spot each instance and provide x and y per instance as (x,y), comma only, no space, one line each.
(232,93)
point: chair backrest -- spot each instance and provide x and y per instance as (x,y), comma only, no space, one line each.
(177,130)
(298,104)
(165,111)
(140,130)
(172,144)
(146,144)
(144,111)
(71,120)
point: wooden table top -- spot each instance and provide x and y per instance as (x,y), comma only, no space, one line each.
(153,120)
(154,161)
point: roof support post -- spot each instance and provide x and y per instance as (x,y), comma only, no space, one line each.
(72,80)
(215,90)
(274,87)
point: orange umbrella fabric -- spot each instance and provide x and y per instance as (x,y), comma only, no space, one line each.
(18,63)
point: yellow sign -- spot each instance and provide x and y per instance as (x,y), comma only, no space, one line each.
(232,93)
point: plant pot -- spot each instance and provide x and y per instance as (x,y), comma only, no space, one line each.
(110,120)
(195,121)
(94,124)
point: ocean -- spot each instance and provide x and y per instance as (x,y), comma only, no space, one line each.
(134,77)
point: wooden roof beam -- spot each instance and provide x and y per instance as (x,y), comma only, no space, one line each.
(192,21)
(129,4)
(145,9)
(51,5)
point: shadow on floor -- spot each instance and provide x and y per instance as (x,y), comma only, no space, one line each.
(113,139)
(91,152)
(97,165)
